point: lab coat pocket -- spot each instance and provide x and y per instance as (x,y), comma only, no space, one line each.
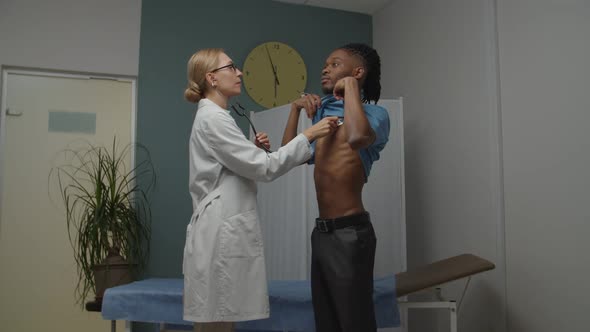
(240,236)
(188,247)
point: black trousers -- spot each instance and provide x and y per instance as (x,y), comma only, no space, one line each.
(342,263)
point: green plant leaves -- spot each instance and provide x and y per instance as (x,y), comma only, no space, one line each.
(106,206)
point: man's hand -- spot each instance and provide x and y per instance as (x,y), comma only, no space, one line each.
(340,86)
(308,101)
(262,140)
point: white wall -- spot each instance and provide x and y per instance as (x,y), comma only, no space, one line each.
(74,35)
(545,88)
(498,143)
(100,36)
(440,56)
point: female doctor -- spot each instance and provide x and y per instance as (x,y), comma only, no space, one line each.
(223,265)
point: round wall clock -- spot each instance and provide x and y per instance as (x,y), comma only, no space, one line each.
(274,74)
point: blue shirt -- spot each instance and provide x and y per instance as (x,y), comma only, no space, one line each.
(378,119)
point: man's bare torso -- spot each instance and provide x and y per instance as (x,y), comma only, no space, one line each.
(339,176)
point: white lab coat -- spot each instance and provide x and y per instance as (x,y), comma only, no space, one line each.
(223,265)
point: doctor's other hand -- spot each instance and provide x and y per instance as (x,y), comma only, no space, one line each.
(310,102)
(324,127)
(262,140)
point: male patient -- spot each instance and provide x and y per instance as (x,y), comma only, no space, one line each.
(343,241)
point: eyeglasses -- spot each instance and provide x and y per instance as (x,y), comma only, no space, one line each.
(243,113)
(231,65)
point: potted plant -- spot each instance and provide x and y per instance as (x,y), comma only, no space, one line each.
(107,213)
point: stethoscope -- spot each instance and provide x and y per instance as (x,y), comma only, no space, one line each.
(243,113)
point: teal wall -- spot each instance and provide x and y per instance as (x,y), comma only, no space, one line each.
(171,31)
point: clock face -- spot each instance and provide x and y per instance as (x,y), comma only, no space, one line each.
(274,74)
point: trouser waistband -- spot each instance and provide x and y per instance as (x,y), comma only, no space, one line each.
(329,225)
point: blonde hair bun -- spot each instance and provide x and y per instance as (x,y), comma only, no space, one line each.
(198,66)
(193,93)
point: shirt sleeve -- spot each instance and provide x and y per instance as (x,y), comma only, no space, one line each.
(227,144)
(379,120)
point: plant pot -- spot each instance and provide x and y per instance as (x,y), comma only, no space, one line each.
(113,271)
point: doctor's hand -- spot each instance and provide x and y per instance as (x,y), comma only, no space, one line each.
(324,127)
(310,102)
(262,140)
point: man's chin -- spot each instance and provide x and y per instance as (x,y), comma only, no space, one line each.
(327,90)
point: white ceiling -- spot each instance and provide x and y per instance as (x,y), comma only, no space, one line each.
(359,6)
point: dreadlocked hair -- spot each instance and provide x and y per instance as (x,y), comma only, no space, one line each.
(372,86)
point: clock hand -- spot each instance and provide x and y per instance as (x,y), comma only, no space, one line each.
(274,71)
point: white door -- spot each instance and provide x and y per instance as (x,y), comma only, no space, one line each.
(42,113)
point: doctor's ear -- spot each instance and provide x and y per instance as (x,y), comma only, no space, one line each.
(211,80)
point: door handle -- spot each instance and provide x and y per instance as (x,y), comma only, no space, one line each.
(10,112)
